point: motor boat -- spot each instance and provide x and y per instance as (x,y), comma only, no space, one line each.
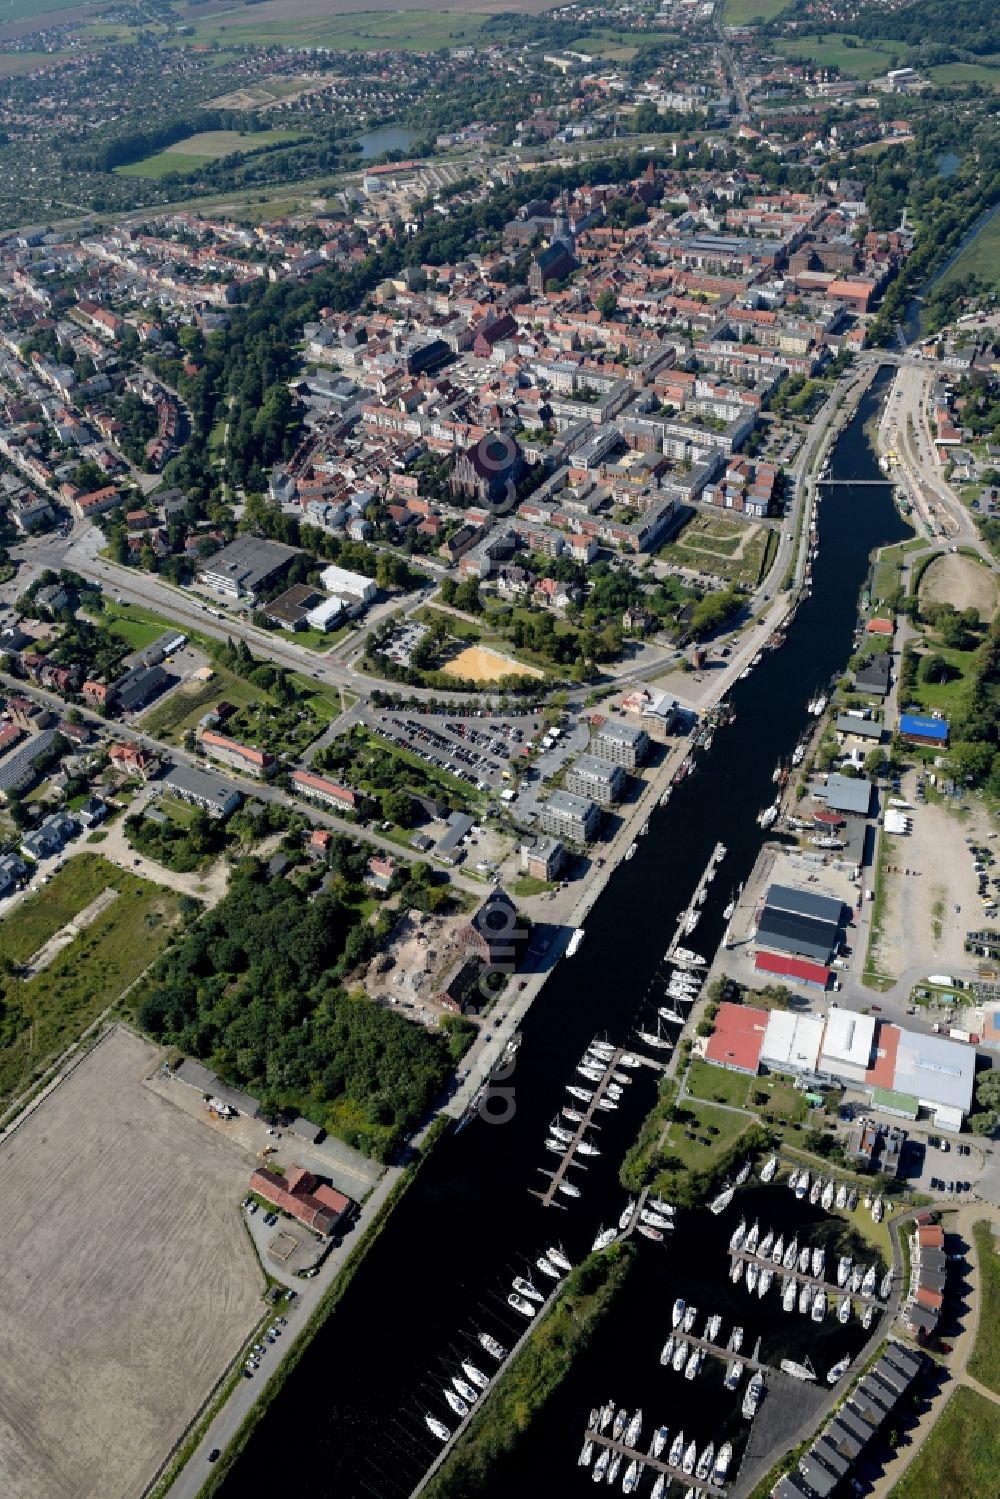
(676,1453)
(568,1189)
(818,1263)
(704,1466)
(805,1299)
(804,1258)
(885,1289)
(495,1349)
(680,1356)
(712,1328)
(613,1091)
(456,1402)
(857,1276)
(628,1060)
(620,1079)
(521,1305)
(631,1478)
(735,1340)
(466,1390)
(722,1461)
(736,1271)
(438,1428)
(868,1284)
(607,1104)
(649,1232)
(814,1191)
(667,1351)
(766,1245)
(586,1453)
(689,1317)
(690,1458)
(607,1414)
(839,1369)
(605,1237)
(788,1292)
(601,1465)
(791,1255)
(750,1242)
(527,1288)
(753,1395)
(590,1073)
(842,1196)
(826,1200)
(633,1429)
(778,1252)
(819,1306)
(765,1282)
(734,1374)
(556,1147)
(739,1234)
(752,1273)
(802,1185)
(844,1310)
(587,1148)
(677,1315)
(475,1374)
(843,1269)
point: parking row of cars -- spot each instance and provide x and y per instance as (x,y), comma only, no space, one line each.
(469,765)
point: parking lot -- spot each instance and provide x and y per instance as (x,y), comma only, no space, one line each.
(476,749)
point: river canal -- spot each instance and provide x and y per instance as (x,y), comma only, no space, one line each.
(354,1407)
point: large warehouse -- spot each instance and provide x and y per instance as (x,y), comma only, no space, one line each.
(800,923)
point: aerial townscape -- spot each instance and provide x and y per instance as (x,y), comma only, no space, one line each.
(499,749)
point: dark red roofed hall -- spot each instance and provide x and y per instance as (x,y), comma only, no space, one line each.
(737,1039)
(793,968)
(299,1194)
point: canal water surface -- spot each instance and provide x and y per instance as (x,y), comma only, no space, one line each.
(442,1268)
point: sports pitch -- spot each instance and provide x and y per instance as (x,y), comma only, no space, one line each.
(128,1280)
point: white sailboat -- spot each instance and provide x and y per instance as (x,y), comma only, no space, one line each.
(844,1310)
(704,1466)
(438,1428)
(791,1255)
(766,1243)
(734,1374)
(818,1263)
(798,1371)
(457,1404)
(842,1196)
(802,1185)
(558,1258)
(735,1340)
(736,1271)
(689,1319)
(840,1368)
(843,1269)
(521,1305)
(586,1453)
(625,1217)
(493,1348)
(753,1395)
(752,1272)
(769,1169)
(667,1351)
(547,1268)
(468,1393)
(868,1284)
(765,1282)
(788,1295)
(694,1363)
(805,1299)
(804,1260)
(605,1236)
(819,1306)
(815,1190)
(885,1289)
(676,1452)
(826,1200)
(659,1441)
(739,1234)
(680,1355)
(677,1315)
(719,1204)
(750,1242)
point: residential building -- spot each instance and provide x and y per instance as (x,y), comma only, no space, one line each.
(320,788)
(574,819)
(18,769)
(204,789)
(300,1195)
(620,743)
(250,762)
(543,859)
(591,776)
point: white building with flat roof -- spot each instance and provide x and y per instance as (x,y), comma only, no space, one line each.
(938,1073)
(792,1042)
(847,1045)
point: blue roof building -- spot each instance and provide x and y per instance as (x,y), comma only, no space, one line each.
(923,728)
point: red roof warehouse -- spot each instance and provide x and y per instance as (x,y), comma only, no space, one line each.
(737,1039)
(299,1194)
(793,968)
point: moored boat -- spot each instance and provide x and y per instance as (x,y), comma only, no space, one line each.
(868,1315)
(868,1284)
(769,1169)
(586,1453)
(520,1305)
(750,1242)
(778,1252)
(752,1272)
(818,1263)
(766,1244)
(568,1189)
(689,1319)
(547,1268)
(476,1375)
(676,1453)
(659,1441)
(753,1395)
(621,1417)
(736,1271)
(844,1310)
(788,1295)
(677,1315)
(557,1257)
(814,1191)
(631,1478)
(604,1237)
(877,1210)
(739,1234)
(690,1458)
(805,1299)
(704,1465)
(802,1185)
(667,1352)
(722,1462)
(826,1199)
(885,1289)
(798,1371)
(694,1363)
(527,1288)
(601,1464)
(734,1374)
(438,1428)
(719,1204)
(804,1260)
(842,1196)
(651,1233)
(765,1282)
(840,1368)
(457,1404)
(466,1390)
(680,1355)
(735,1340)
(791,1255)
(495,1349)
(843,1269)
(819,1306)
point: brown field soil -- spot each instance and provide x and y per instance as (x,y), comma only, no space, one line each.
(958,580)
(130,1282)
(481,665)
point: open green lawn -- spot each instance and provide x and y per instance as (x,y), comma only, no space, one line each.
(139,626)
(714,1132)
(862,62)
(259,721)
(961,1457)
(981,257)
(530,884)
(742,12)
(966,72)
(49,1011)
(717,1084)
(23,10)
(943,696)
(196,150)
(360,31)
(887,571)
(984,1364)
(776,1096)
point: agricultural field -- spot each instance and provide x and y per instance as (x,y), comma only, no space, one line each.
(962,1454)
(980,258)
(30,10)
(197,150)
(863,62)
(47,1012)
(133,1282)
(967,72)
(742,12)
(366,28)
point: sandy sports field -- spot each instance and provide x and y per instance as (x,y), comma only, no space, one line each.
(478,664)
(128,1280)
(961,581)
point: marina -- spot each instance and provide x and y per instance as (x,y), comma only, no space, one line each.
(690,917)
(654,1464)
(818,1283)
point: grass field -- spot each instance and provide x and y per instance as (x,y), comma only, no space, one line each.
(742,12)
(26,10)
(966,72)
(196,150)
(717,1085)
(89,974)
(980,258)
(14,63)
(854,62)
(736,551)
(984,1364)
(961,1457)
(714,1132)
(943,696)
(136,1281)
(362,31)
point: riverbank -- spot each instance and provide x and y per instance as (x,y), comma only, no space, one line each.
(522,1391)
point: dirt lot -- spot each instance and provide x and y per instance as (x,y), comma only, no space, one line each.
(128,1280)
(958,580)
(482,665)
(423,948)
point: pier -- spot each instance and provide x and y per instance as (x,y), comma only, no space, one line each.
(559,1175)
(708,875)
(750,1360)
(804,1280)
(630,1454)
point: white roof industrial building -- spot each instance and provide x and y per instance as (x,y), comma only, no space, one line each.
(938,1073)
(353,588)
(792,1042)
(847,1045)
